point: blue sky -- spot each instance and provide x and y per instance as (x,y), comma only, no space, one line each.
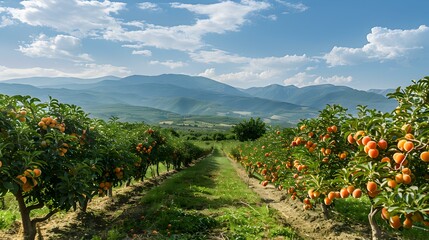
(362,44)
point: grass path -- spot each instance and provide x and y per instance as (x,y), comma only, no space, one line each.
(205,201)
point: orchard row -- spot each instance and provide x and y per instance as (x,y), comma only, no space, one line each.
(55,155)
(338,155)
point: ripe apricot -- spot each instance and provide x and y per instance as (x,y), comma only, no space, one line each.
(366,139)
(306,201)
(408,223)
(424,156)
(408,146)
(385,214)
(373,153)
(371,186)
(37,172)
(350,139)
(371,144)
(407,128)
(398,157)
(357,193)
(409,136)
(344,193)
(391,183)
(406,171)
(385,160)
(395,222)
(382,144)
(332,195)
(327,201)
(406,178)
(350,189)
(400,144)
(399,178)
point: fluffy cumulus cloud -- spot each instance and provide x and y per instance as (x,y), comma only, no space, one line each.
(217,18)
(383,44)
(302,79)
(146,53)
(60,47)
(170,64)
(256,71)
(148,6)
(90,70)
(75,17)
(293,7)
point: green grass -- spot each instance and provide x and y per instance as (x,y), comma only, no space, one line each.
(206,200)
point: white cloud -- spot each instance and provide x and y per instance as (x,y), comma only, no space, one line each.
(79,71)
(170,64)
(304,79)
(217,56)
(75,17)
(295,7)
(242,78)
(221,17)
(252,71)
(148,6)
(383,44)
(5,21)
(146,53)
(60,46)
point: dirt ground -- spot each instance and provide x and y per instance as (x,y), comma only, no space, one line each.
(309,224)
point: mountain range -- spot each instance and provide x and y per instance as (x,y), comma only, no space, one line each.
(172,96)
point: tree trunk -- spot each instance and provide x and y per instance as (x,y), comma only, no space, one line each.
(375,229)
(325,210)
(28,226)
(157,169)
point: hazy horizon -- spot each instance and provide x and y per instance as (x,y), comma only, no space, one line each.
(243,43)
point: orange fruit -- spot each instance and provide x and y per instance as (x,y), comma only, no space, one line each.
(371,186)
(350,139)
(401,143)
(373,153)
(424,156)
(357,193)
(327,201)
(371,144)
(408,223)
(398,157)
(408,146)
(407,128)
(406,178)
(344,193)
(406,171)
(385,214)
(350,189)
(391,183)
(37,172)
(395,222)
(366,139)
(399,178)
(382,144)
(332,195)
(409,136)
(385,160)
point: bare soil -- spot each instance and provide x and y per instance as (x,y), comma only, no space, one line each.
(308,224)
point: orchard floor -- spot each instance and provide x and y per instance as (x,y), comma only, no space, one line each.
(106,217)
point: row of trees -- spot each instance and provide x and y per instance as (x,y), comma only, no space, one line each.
(54,155)
(337,155)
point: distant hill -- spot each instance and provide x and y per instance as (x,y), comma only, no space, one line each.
(173,96)
(383,92)
(57,81)
(318,96)
(165,95)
